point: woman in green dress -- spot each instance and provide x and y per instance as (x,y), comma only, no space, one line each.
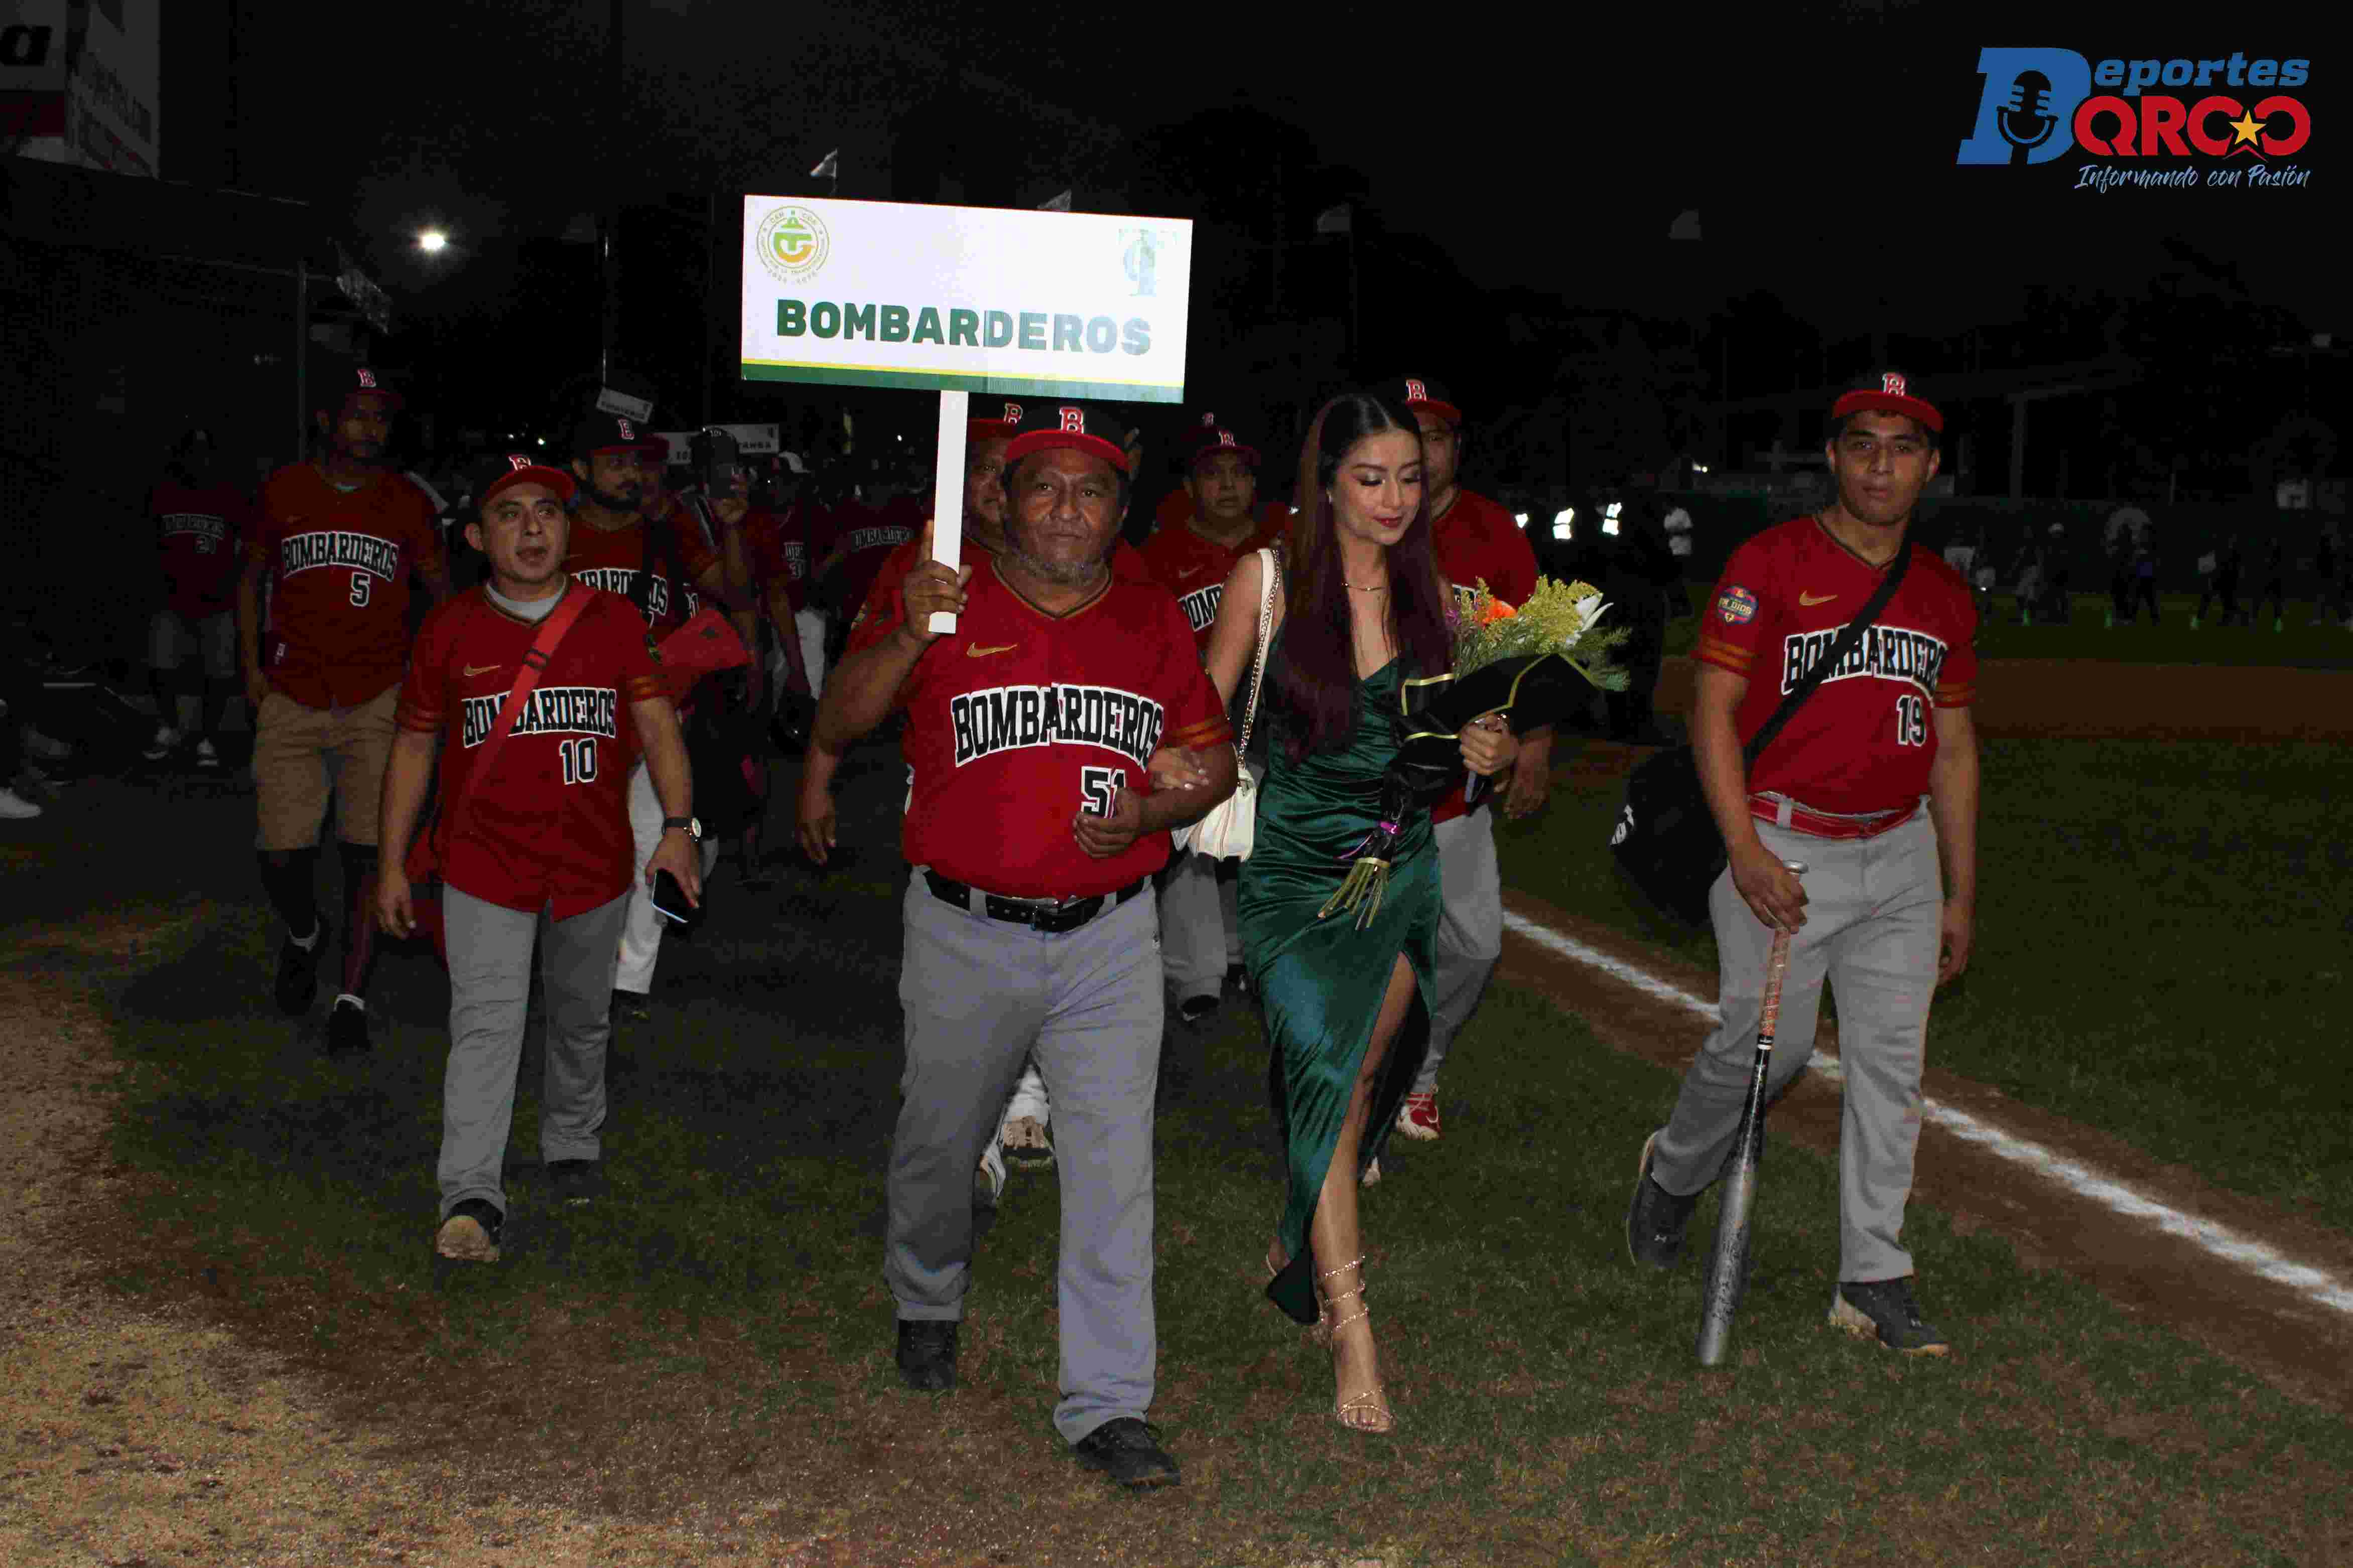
(1344,989)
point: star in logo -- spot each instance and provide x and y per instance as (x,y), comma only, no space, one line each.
(2248,128)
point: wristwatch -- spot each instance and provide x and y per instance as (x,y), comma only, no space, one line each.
(693,825)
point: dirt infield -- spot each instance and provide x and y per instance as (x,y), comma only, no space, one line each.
(2082,700)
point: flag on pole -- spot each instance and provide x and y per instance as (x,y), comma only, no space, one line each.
(1061,203)
(1335,220)
(1685,226)
(828,167)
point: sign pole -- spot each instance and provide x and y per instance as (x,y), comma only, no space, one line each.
(947,492)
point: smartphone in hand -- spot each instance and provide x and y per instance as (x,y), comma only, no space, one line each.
(671,903)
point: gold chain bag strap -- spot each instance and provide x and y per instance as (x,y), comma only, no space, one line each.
(1231,830)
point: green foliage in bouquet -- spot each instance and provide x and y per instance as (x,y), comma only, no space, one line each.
(1559,617)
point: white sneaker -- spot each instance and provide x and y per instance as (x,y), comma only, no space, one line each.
(161,744)
(14,808)
(46,748)
(988,1182)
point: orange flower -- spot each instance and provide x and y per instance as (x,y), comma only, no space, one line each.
(1495,610)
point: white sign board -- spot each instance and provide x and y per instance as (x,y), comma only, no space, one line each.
(751,441)
(1036,304)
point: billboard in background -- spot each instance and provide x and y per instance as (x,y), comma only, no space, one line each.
(1042,304)
(81,81)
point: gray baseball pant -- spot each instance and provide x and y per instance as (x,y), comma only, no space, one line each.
(1200,935)
(979,995)
(490,991)
(1470,932)
(1874,923)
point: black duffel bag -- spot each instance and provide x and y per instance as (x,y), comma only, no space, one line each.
(1665,841)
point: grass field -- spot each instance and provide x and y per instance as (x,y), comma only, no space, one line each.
(713,1340)
(2085,635)
(2161,938)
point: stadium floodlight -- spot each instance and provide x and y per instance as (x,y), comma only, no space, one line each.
(1563,522)
(1520,517)
(1610,517)
(432,241)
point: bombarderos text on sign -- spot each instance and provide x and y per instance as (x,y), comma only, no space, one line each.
(966,299)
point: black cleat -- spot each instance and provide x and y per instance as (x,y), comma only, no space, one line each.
(1129,1452)
(470,1234)
(576,1184)
(1656,1218)
(927,1354)
(1883,1310)
(298,973)
(347,1030)
(1196,1012)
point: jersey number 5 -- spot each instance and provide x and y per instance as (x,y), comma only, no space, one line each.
(359,586)
(1099,788)
(579,760)
(1911,721)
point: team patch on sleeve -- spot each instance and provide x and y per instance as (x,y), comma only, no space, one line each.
(1737,604)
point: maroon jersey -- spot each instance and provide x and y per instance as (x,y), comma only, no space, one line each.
(870,535)
(339,562)
(1019,720)
(778,546)
(196,535)
(1195,569)
(611,561)
(550,825)
(1479,542)
(1864,741)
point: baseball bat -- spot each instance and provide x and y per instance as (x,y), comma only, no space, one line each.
(1728,1266)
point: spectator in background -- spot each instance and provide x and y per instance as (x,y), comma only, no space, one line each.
(200,518)
(2327,583)
(2059,574)
(2222,582)
(1641,570)
(2125,527)
(2273,589)
(2144,577)
(868,524)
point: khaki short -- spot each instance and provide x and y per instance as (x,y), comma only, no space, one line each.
(301,755)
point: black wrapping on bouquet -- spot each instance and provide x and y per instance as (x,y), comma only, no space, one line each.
(1527,689)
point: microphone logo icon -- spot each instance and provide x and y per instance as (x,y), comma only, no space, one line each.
(2024,119)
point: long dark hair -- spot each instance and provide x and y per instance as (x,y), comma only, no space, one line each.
(1315,687)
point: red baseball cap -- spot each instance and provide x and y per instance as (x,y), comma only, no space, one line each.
(363,382)
(983,425)
(1215,440)
(506,471)
(1048,423)
(1889,393)
(1418,394)
(611,432)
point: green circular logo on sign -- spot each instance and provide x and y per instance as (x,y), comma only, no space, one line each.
(792,243)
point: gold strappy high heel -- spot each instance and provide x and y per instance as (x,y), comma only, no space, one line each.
(1369,1411)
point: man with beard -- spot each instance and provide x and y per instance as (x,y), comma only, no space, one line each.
(338,540)
(1033,831)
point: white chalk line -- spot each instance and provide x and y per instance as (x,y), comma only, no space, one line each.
(2260,1258)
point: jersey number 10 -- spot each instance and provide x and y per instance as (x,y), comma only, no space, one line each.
(579,758)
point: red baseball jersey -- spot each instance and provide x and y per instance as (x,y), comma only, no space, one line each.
(1477,540)
(612,562)
(1177,505)
(879,612)
(339,562)
(1864,739)
(1195,569)
(1019,720)
(696,543)
(870,535)
(778,546)
(196,536)
(550,824)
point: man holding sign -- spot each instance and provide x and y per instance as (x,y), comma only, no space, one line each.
(1033,829)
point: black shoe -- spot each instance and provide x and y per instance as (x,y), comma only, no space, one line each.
(1194,1012)
(1129,1452)
(298,973)
(1656,1218)
(631,1007)
(1238,980)
(576,1183)
(927,1354)
(1883,1310)
(347,1030)
(470,1234)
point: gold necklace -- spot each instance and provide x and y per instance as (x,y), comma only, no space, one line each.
(1361,588)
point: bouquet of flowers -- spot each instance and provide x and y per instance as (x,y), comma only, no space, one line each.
(1507,661)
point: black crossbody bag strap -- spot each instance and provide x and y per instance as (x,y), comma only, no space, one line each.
(1848,640)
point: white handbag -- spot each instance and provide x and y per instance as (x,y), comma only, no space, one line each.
(1231,830)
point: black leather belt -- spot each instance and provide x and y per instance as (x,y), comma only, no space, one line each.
(1051,916)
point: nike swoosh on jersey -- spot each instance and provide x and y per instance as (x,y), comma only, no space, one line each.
(974,651)
(474,669)
(1810,600)
(1188,572)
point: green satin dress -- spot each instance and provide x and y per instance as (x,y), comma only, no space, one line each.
(1320,980)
